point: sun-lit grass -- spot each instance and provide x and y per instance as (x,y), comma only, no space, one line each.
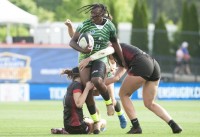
(36,118)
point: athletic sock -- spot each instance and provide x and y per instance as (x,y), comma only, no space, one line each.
(95,117)
(108,102)
(105,95)
(120,113)
(92,109)
(117,107)
(135,123)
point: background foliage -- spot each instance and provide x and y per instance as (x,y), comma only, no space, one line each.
(185,14)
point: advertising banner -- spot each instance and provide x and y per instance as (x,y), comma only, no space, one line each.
(26,92)
(166,91)
(36,64)
(14,92)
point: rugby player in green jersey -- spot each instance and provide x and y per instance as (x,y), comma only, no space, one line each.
(103,32)
(111,72)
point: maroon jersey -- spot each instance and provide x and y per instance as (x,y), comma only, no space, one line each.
(139,63)
(129,53)
(73,116)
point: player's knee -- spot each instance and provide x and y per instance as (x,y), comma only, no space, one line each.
(123,93)
(97,81)
(149,105)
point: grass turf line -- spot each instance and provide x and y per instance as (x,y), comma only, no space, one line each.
(36,118)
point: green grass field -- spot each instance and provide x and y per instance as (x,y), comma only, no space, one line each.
(36,118)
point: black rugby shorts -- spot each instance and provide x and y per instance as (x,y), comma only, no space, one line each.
(146,67)
(98,69)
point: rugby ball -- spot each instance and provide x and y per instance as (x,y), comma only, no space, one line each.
(86,39)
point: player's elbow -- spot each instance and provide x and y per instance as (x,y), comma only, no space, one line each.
(117,78)
(79,104)
(71,43)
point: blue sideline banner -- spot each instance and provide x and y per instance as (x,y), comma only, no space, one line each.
(174,91)
(47,91)
(35,64)
(26,92)
(166,91)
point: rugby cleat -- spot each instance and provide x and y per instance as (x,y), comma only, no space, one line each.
(133,130)
(123,121)
(176,129)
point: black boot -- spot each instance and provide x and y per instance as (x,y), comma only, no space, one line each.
(133,130)
(175,127)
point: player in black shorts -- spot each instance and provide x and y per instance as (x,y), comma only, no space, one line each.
(110,87)
(103,32)
(143,70)
(74,122)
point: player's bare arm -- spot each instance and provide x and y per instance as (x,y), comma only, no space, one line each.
(70,29)
(80,98)
(119,73)
(102,53)
(73,43)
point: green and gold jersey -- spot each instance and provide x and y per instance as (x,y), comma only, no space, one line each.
(101,34)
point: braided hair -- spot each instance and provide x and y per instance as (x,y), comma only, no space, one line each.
(71,73)
(104,12)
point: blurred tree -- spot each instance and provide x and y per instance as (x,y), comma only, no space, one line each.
(161,44)
(113,13)
(53,10)
(190,28)
(171,8)
(69,10)
(31,7)
(49,5)
(2,33)
(180,35)
(59,10)
(139,26)
(185,18)
(15,30)
(145,23)
(194,27)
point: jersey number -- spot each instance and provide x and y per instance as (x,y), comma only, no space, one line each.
(97,47)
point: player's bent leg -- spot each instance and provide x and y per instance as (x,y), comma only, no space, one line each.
(98,72)
(98,83)
(85,75)
(126,90)
(117,106)
(149,93)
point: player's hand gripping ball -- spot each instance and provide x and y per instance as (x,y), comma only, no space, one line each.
(86,41)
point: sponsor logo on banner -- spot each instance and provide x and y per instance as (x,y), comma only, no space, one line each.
(57,93)
(14,67)
(184,92)
(179,92)
(46,71)
(14,92)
